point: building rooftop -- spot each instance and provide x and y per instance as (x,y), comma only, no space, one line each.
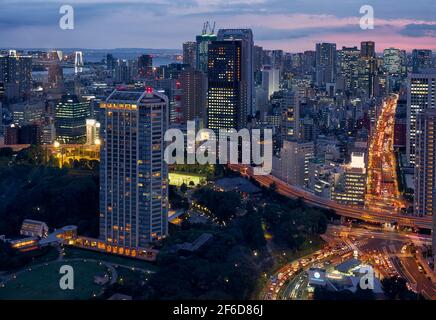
(347,265)
(136,96)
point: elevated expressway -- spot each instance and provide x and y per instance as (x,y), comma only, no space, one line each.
(293,192)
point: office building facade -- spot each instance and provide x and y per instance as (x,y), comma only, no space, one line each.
(70,119)
(421,96)
(227,90)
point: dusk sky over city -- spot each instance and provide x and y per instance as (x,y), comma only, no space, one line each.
(292,25)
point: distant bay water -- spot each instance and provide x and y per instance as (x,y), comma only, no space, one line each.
(160,56)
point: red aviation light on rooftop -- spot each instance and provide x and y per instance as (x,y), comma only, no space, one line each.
(148,90)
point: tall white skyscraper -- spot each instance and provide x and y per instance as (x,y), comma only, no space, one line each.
(421,96)
(270,79)
(133,174)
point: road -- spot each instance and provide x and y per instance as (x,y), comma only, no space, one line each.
(388,252)
(293,192)
(382,187)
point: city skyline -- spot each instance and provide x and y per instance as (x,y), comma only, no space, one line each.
(289,25)
(285,151)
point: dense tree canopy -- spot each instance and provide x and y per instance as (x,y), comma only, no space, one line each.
(47,194)
(223,205)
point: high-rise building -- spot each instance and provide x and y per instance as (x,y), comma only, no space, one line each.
(247,72)
(270,79)
(290,106)
(189,53)
(122,72)
(92,132)
(16,74)
(172,89)
(309,61)
(207,36)
(367,49)
(293,164)
(133,172)
(368,69)
(425,162)
(421,96)
(421,59)
(277,59)
(193,84)
(55,75)
(351,190)
(392,61)
(326,60)
(258,58)
(227,88)
(258,62)
(348,59)
(70,119)
(110,63)
(145,66)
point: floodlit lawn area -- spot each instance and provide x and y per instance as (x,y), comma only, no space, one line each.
(42,283)
(74,253)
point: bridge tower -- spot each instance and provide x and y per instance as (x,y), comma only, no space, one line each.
(78,62)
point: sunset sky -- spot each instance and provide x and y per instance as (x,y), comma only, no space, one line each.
(291,25)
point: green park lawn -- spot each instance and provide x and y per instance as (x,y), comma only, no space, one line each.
(42,283)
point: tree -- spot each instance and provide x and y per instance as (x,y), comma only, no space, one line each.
(222,205)
(395,288)
(183,187)
(6,153)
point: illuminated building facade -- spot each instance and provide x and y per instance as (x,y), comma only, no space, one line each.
(425,162)
(227,92)
(133,173)
(70,119)
(421,95)
(270,79)
(290,107)
(92,132)
(203,42)
(348,60)
(245,36)
(351,190)
(16,74)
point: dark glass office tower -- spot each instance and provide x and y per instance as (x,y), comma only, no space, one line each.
(70,119)
(247,61)
(227,90)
